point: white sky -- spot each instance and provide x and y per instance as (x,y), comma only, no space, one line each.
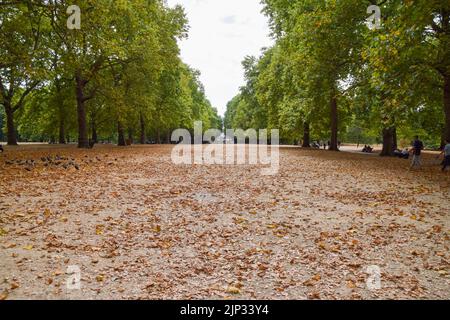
(222,33)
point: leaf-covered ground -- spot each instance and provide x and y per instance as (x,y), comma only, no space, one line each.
(139,227)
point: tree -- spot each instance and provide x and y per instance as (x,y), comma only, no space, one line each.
(22,58)
(412,52)
(327,71)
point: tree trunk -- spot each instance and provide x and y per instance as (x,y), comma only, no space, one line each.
(11,134)
(94,132)
(443,139)
(143,138)
(121,133)
(158,136)
(83,141)
(394,139)
(168,136)
(61,114)
(388,142)
(447,106)
(334,125)
(306,135)
(130,136)
(62,131)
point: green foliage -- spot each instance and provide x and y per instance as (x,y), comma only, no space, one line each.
(123,63)
(393,76)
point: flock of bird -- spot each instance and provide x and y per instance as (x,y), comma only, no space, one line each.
(56,161)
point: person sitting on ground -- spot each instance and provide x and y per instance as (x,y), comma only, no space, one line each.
(446,153)
(405,153)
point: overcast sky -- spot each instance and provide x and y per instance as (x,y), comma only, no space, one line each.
(222,33)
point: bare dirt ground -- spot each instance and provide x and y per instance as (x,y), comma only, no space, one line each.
(139,227)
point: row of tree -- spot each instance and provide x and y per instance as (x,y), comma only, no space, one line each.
(118,77)
(330,76)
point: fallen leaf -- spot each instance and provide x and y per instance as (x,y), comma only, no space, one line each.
(4,295)
(99,229)
(233,290)
(14,285)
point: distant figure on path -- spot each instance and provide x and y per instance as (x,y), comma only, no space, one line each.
(446,153)
(417,153)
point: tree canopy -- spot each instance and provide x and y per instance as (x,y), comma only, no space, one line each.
(332,77)
(117,77)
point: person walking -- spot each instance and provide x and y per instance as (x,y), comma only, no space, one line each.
(417,153)
(446,153)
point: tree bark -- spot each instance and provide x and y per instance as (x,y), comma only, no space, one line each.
(83,140)
(306,135)
(121,134)
(442,138)
(334,125)
(388,142)
(447,106)
(61,113)
(130,136)
(168,136)
(94,132)
(62,131)
(394,139)
(143,138)
(158,136)
(11,130)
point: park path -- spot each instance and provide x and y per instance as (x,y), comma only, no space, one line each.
(139,227)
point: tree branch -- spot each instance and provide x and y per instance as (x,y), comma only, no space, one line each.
(25,94)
